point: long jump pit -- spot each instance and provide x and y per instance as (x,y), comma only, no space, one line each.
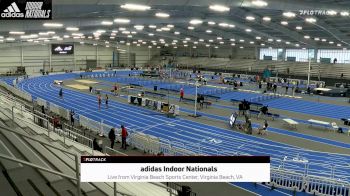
(78,86)
(86,81)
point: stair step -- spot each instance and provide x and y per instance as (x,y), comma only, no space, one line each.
(30,155)
(5,186)
(58,163)
(25,188)
(8,165)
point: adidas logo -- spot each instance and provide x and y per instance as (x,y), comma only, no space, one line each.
(12,11)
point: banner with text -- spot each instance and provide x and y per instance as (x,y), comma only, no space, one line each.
(175,169)
(25,10)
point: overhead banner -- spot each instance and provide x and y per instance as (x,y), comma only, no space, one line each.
(175,169)
(26,10)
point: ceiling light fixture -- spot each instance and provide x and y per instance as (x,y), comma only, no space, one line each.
(289,14)
(332,13)
(266,18)
(53,25)
(259,3)
(138,27)
(310,20)
(284,23)
(121,20)
(196,22)
(223,24)
(250,18)
(72,29)
(162,15)
(16,32)
(344,13)
(219,8)
(107,23)
(135,7)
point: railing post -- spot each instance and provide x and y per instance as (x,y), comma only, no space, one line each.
(77,172)
(13,116)
(101,126)
(115,188)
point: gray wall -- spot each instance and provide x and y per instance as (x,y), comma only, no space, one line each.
(33,57)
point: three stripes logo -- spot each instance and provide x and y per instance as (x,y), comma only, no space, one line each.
(12,11)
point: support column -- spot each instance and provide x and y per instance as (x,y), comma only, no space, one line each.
(97,58)
(22,56)
(128,55)
(257,53)
(75,62)
(50,57)
(308,73)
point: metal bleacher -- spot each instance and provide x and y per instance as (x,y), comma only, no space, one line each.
(295,68)
(38,161)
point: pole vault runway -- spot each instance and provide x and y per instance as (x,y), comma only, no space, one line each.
(197,137)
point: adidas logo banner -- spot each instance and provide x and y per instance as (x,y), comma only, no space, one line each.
(25,10)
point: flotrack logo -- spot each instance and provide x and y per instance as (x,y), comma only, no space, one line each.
(12,11)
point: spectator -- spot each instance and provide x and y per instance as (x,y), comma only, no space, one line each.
(99,100)
(335,60)
(260,85)
(287,86)
(56,122)
(274,87)
(111,136)
(249,127)
(116,89)
(90,89)
(106,101)
(43,110)
(341,75)
(124,136)
(72,113)
(263,111)
(181,94)
(263,129)
(235,84)
(308,90)
(96,146)
(60,93)
(201,101)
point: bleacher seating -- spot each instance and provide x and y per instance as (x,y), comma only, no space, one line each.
(49,151)
(295,68)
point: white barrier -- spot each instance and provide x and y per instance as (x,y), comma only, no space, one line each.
(41,102)
(17,92)
(54,108)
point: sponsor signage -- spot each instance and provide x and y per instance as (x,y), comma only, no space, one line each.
(26,10)
(62,49)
